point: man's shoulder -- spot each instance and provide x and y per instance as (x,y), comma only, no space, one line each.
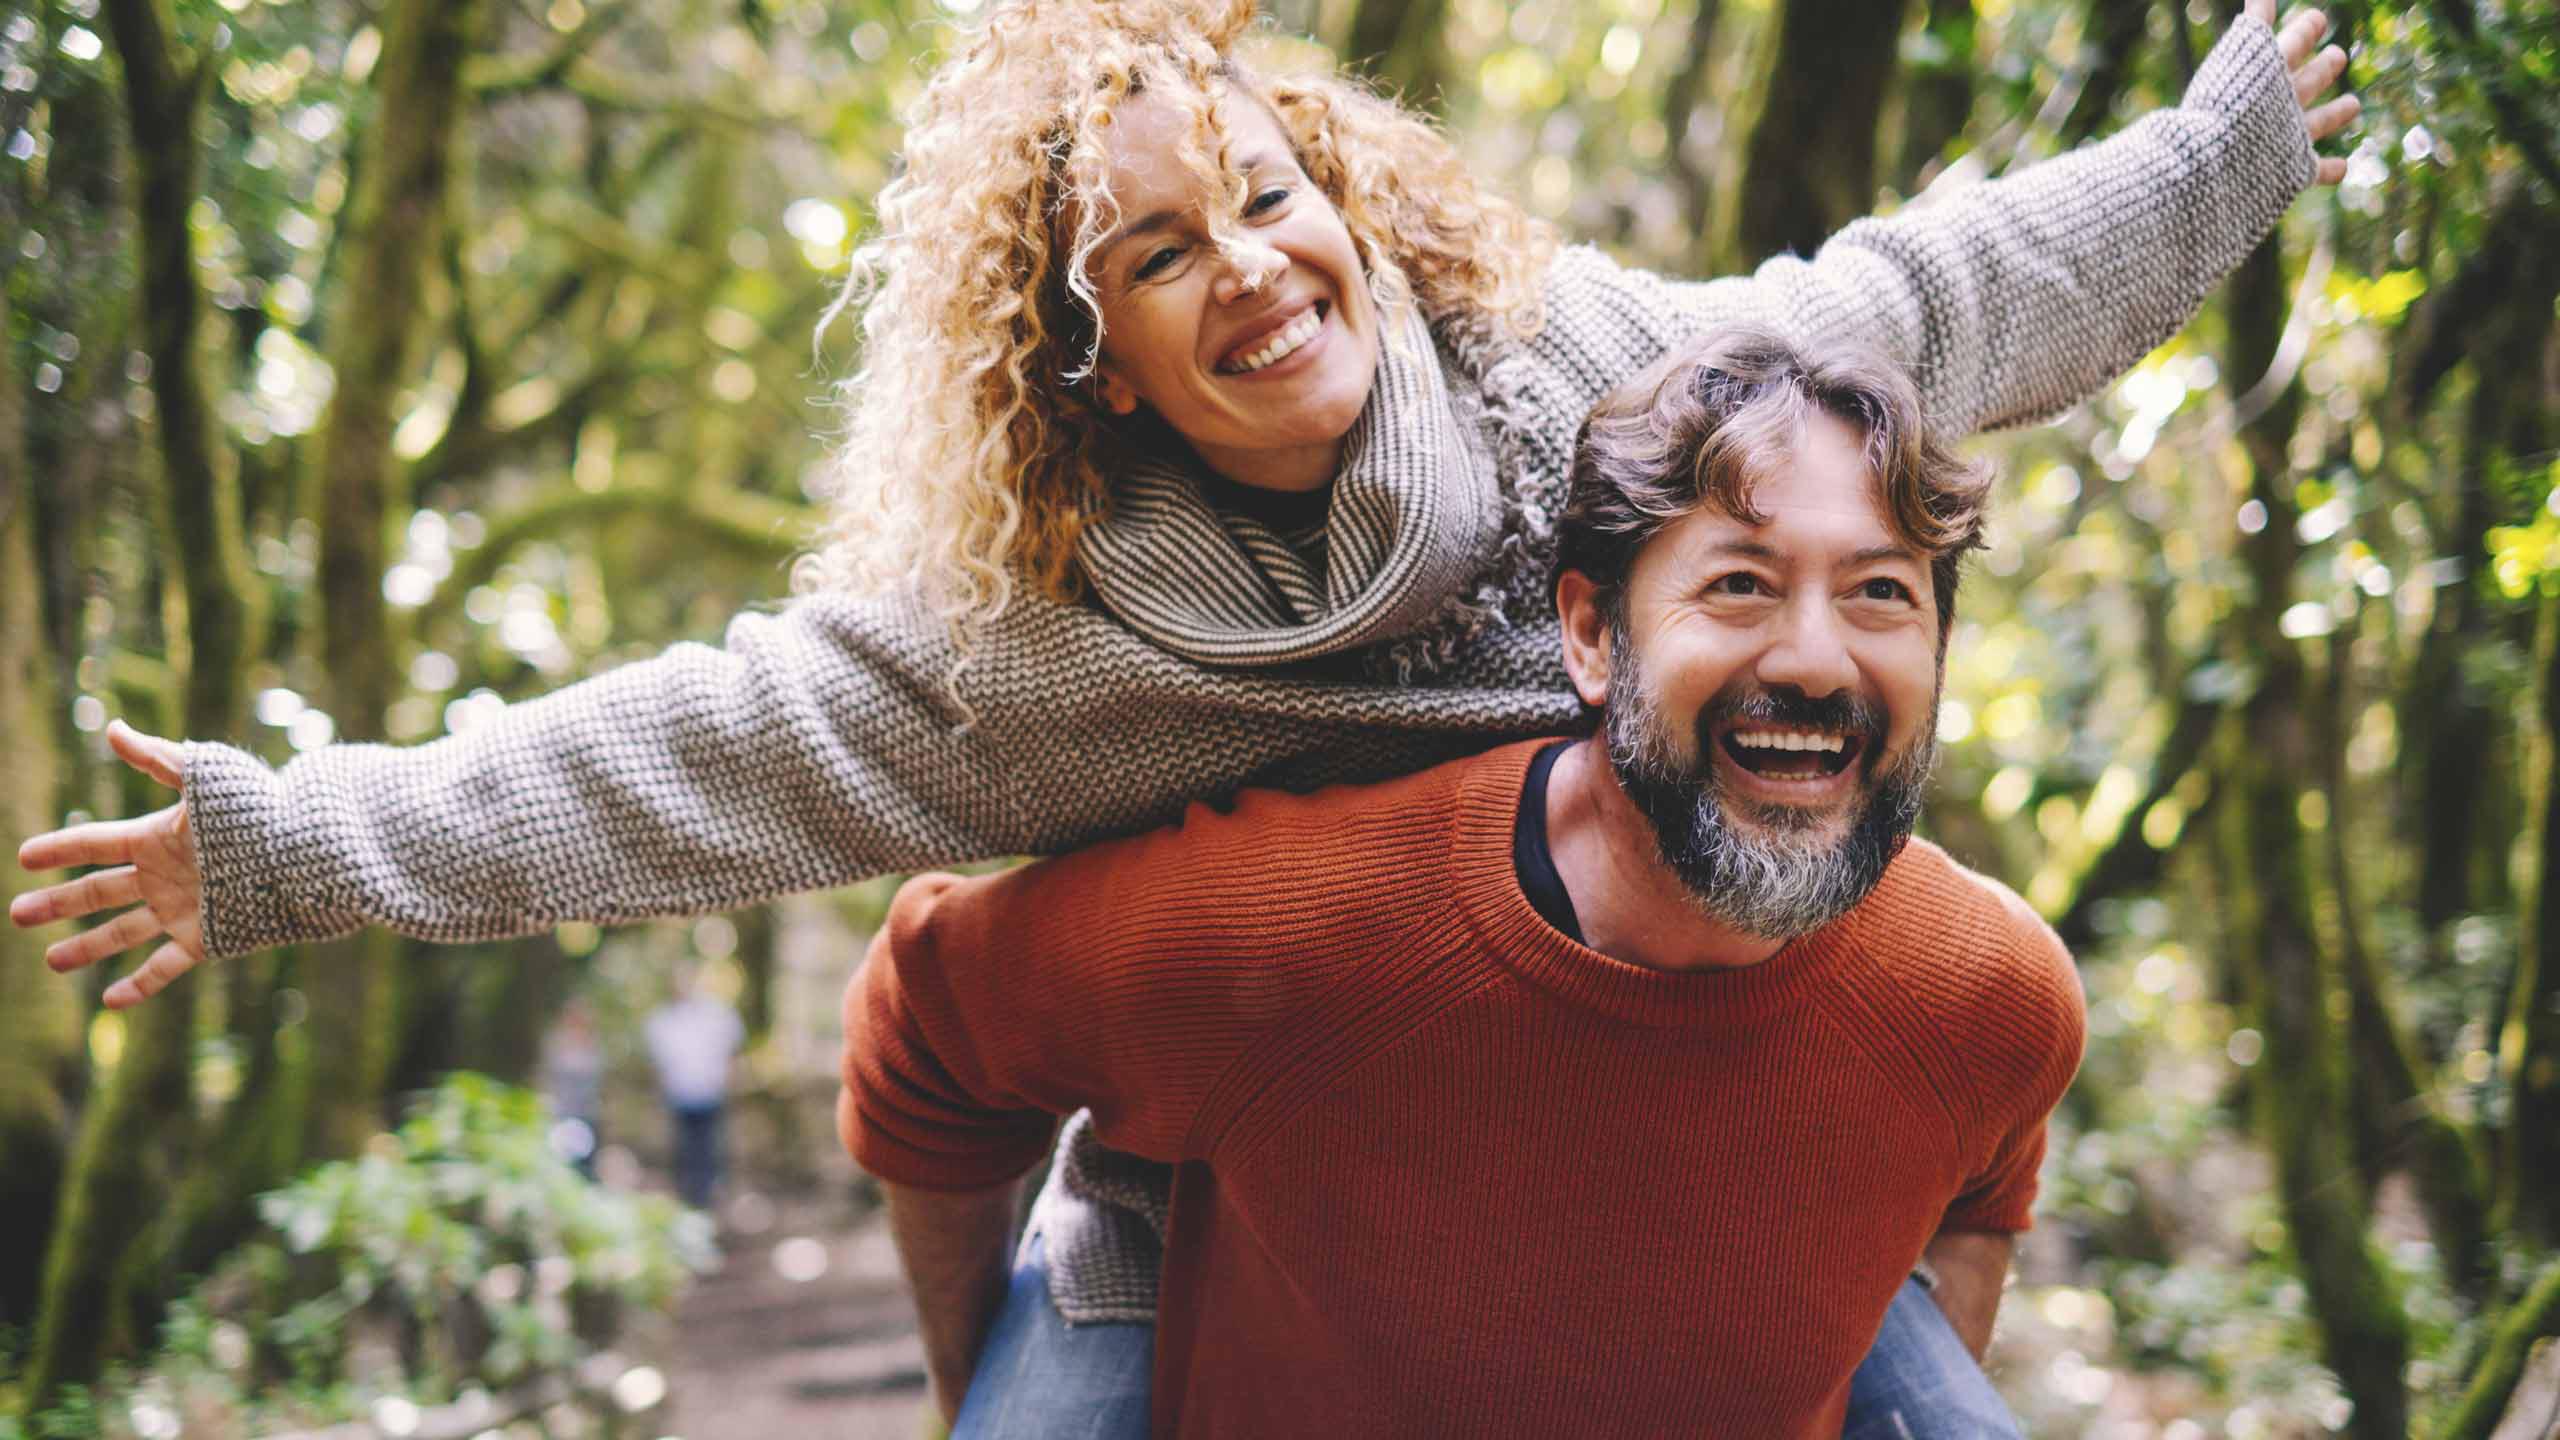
(1966,940)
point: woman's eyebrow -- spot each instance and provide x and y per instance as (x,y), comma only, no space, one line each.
(1153,220)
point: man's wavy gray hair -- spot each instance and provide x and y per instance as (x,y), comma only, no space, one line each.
(1716,417)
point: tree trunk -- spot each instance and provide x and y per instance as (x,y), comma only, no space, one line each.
(382,315)
(2530,1193)
(39,1013)
(1810,165)
(1399,42)
(2496,316)
(2300,1088)
(104,1276)
(1683,96)
(2111,49)
(1937,91)
(2399,1124)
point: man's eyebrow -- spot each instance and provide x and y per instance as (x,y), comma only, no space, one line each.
(1761,550)
(1748,549)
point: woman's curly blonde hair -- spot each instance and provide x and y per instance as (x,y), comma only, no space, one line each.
(974,452)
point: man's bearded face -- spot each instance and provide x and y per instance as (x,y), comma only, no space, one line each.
(1765,867)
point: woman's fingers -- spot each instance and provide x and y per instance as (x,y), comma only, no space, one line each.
(91,893)
(165,965)
(2262,11)
(91,946)
(2317,76)
(2327,120)
(99,842)
(160,759)
(2302,33)
(2331,170)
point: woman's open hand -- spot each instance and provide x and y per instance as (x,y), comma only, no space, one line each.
(154,861)
(2316,69)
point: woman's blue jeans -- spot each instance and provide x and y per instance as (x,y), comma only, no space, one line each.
(1040,1378)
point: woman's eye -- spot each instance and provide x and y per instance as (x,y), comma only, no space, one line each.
(1737,584)
(1156,263)
(1268,200)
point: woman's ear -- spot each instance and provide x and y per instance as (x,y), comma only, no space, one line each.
(1586,636)
(1114,393)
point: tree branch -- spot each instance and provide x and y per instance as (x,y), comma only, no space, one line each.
(756,526)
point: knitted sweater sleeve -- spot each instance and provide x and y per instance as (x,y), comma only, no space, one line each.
(2012,299)
(1128,978)
(817,745)
(2024,1054)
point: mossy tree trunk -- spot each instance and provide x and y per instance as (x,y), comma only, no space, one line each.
(1399,42)
(2286,972)
(39,1014)
(315,1092)
(2111,49)
(1810,164)
(2530,1194)
(1937,89)
(105,1275)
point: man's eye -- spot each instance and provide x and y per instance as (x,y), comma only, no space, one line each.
(1156,263)
(1881,589)
(1268,200)
(1736,584)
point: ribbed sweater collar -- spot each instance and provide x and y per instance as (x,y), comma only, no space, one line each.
(1420,521)
(1515,934)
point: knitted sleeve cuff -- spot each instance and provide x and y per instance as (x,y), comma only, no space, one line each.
(265,883)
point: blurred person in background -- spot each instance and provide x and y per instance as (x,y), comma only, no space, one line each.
(692,1040)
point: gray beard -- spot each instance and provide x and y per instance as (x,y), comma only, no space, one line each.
(1775,878)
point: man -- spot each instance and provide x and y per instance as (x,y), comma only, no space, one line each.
(1601,1087)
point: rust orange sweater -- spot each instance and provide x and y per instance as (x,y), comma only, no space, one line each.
(1442,1171)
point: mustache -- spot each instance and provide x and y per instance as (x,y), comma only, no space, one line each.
(1790,709)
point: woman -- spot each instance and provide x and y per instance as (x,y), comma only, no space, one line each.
(1207,434)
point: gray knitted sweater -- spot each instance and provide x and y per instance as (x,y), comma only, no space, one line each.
(821,743)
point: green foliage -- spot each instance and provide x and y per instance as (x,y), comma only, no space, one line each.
(459,1253)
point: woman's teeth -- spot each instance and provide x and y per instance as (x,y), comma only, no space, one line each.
(1296,333)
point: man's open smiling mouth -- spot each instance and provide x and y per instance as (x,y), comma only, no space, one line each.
(1778,753)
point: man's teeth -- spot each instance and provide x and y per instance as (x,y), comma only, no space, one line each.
(1787,740)
(1296,333)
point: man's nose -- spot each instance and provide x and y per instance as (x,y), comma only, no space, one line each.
(1246,267)
(1809,652)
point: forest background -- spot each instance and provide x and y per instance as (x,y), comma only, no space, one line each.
(369,365)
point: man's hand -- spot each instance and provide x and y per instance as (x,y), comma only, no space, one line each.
(1971,1266)
(154,860)
(2315,70)
(957,1249)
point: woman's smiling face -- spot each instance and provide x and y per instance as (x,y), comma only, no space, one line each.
(1260,353)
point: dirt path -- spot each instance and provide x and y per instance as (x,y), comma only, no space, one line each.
(805,1331)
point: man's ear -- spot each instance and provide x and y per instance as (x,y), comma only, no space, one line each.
(1586,636)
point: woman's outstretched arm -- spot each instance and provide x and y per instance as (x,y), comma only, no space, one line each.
(2013,299)
(816,747)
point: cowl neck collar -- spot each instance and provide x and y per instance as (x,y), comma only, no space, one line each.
(1419,516)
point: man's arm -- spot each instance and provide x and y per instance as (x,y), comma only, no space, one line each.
(1971,1266)
(954,1245)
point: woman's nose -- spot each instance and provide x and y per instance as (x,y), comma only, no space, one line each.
(1247,267)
